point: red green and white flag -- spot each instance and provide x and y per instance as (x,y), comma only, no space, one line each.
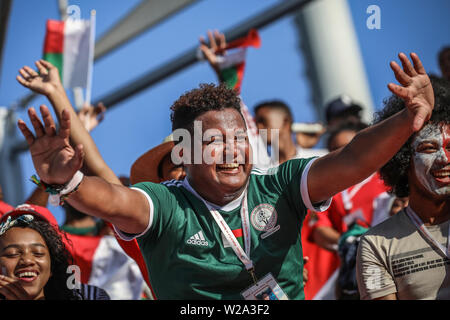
(239,237)
(232,65)
(69,46)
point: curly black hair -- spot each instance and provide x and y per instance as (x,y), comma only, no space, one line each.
(395,172)
(208,97)
(60,258)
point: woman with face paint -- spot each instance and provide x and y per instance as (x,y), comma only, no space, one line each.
(407,256)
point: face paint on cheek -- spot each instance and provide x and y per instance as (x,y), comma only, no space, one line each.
(446,138)
(444,154)
(427,164)
(422,166)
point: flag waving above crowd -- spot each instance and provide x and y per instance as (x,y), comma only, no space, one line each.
(68,46)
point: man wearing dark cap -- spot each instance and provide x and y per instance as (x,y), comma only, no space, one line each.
(342,109)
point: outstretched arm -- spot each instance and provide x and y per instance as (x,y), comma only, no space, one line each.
(374,146)
(56,162)
(48,83)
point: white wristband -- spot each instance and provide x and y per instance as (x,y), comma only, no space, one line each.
(55,199)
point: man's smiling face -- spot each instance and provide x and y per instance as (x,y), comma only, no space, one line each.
(225,150)
(431,159)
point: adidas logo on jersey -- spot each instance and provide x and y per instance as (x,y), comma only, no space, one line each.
(198,240)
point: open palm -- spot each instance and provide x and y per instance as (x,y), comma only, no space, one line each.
(54,159)
(215,49)
(44,82)
(416,90)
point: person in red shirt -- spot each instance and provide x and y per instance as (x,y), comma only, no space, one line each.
(322,231)
(4,208)
(358,202)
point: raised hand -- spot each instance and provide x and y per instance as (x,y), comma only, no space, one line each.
(45,82)
(416,89)
(216,48)
(54,159)
(91,116)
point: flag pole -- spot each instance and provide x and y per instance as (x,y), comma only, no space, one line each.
(91,58)
(77,91)
(78,97)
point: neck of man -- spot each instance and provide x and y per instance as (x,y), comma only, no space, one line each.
(430,210)
(216,197)
(287,149)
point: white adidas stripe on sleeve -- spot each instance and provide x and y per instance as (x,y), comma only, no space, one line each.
(128,236)
(305,194)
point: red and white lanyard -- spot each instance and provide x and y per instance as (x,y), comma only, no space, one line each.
(425,233)
(244,256)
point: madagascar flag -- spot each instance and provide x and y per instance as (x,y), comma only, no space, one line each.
(232,65)
(239,237)
(68,47)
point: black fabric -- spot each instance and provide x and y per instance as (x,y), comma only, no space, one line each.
(347,286)
(88,292)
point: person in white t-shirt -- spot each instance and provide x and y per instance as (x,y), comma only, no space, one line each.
(407,255)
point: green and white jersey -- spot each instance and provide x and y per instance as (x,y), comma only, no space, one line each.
(187,256)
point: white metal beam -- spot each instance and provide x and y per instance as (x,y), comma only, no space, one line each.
(334,61)
(143,16)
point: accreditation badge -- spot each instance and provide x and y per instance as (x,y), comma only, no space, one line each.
(266,288)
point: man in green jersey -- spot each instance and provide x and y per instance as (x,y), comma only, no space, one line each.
(226,231)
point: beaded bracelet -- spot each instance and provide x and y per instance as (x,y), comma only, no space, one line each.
(49,188)
(59,193)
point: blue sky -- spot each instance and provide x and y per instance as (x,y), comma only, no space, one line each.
(276,70)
